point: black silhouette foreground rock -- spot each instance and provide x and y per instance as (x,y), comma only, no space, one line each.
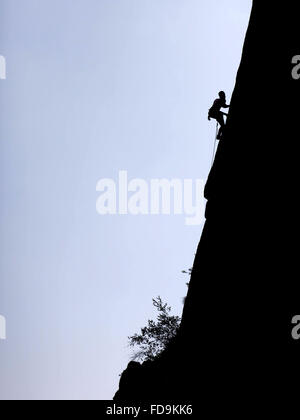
(235,346)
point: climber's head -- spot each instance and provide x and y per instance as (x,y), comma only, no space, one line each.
(222,95)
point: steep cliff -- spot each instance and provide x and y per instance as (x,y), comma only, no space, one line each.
(244,291)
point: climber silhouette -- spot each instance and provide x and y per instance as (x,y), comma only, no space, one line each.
(216,113)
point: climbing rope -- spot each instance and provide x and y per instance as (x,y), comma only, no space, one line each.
(214,152)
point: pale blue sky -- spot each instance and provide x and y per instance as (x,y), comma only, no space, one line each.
(94,87)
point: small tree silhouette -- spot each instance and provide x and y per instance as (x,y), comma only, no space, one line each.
(154,338)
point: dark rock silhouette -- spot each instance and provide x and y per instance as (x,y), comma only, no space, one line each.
(235,342)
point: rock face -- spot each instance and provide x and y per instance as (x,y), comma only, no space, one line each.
(235,339)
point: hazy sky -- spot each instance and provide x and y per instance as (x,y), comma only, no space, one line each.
(94,87)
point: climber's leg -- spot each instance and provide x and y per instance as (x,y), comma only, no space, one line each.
(220,119)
